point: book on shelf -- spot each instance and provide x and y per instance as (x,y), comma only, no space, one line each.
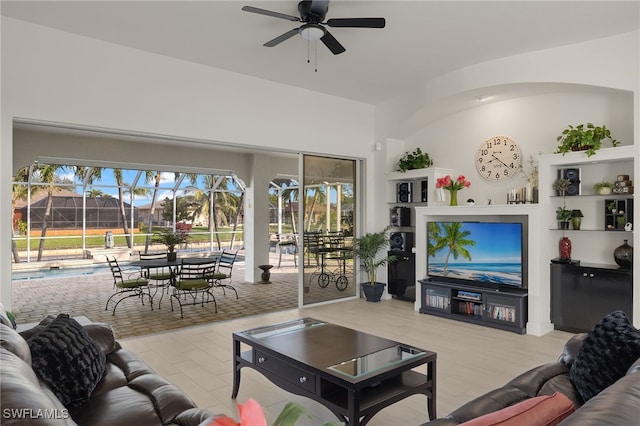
(469,308)
(469,295)
(503,313)
(437,301)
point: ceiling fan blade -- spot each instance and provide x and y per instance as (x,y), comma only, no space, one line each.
(357,22)
(281,38)
(334,45)
(270,13)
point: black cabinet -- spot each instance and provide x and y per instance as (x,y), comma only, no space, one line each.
(581,294)
(505,309)
(401,275)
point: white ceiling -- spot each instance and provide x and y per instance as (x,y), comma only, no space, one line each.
(422,39)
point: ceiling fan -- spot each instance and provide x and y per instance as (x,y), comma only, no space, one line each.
(312,15)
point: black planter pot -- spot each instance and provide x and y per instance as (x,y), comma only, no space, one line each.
(372,292)
(172,256)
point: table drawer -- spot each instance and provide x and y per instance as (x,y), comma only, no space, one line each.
(291,374)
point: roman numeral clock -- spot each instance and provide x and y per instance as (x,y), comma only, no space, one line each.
(498,158)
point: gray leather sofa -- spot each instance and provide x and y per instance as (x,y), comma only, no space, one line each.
(616,405)
(129,392)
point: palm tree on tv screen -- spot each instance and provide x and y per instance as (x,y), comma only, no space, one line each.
(449,236)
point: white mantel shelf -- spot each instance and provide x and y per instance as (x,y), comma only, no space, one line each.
(539,299)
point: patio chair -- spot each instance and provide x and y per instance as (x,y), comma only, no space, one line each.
(224,269)
(160,276)
(193,280)
(132,286)
(287,244)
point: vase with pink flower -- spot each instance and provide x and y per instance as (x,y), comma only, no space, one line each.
(453,186)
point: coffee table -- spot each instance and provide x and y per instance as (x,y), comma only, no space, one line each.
(353,374)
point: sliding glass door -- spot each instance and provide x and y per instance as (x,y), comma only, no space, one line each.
(328,201)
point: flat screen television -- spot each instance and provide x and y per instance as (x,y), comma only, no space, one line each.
(489,254)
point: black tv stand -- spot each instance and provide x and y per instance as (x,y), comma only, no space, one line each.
(501,308)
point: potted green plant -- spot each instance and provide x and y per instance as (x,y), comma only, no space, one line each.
(414,160)
(366,248)
(563,216)
(583,137)
(603,188)
(170,239)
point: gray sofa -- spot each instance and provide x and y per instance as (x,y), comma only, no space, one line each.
(128,391)
(618,404)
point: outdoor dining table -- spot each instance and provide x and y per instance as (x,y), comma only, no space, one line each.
(173,266)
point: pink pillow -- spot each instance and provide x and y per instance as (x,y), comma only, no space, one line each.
(545,410)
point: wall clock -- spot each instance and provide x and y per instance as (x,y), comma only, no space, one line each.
(498,158)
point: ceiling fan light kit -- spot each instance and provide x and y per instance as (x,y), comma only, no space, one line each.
(312,15)
(312,32)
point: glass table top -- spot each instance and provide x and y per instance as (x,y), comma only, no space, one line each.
(282,328)
(375,361)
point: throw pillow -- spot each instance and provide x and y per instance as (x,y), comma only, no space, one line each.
(544,410)
(67,360)
(607,352)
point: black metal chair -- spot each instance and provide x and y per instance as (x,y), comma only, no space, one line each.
(161,276)
(193,280)
(224,269)
(132,286)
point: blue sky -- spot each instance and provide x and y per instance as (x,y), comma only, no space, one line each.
(166,185)
(494,242)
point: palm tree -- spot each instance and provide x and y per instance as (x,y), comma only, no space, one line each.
(449,236)
(317,197)
(47,174)
(18,192)
(156,177)
(117,174)
(95,193)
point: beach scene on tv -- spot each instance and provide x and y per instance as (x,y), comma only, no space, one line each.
(476,251)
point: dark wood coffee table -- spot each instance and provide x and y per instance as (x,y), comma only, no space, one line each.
(353,374)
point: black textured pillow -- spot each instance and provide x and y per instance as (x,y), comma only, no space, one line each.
(605,355)
(67,360)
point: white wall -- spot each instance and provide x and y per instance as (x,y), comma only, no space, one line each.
(54,76)
(534,122)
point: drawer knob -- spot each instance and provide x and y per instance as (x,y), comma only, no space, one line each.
(261,359)
(303,379)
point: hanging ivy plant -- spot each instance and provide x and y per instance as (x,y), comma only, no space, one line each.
(414,160)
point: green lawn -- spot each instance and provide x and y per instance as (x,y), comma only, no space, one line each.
(61,242)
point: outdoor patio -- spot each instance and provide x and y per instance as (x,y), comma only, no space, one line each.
(86,295)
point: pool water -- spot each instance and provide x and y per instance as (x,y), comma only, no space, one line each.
(58,272)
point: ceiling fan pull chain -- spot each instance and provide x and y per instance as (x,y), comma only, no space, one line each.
(316,53)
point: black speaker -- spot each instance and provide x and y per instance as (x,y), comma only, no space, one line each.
(401,241)
(424,191)
(400,216)
(573,175)
(401,276)
(405,192)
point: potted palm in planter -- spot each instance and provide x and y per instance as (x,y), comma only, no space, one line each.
(170,239)
(366,248)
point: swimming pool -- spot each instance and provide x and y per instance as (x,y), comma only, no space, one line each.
(58,272)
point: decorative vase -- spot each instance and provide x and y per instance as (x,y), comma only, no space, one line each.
(575,222)
(565,248)
(453,197)
(623,255)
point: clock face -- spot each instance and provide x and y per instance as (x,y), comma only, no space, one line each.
(498,158)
